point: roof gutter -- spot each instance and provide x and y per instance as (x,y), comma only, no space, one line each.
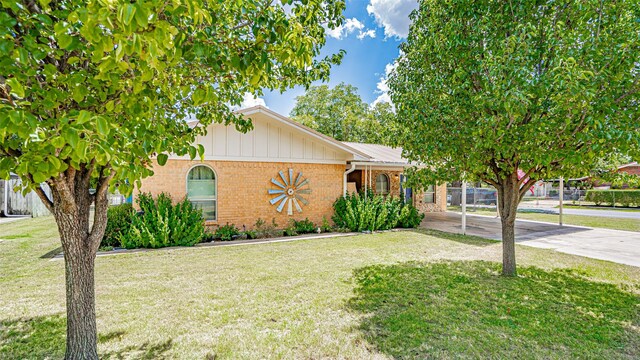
(381,164)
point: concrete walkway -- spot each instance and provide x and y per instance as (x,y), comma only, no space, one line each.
(5,220)
(613,245)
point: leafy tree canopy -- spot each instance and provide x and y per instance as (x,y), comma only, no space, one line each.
(488,87)
(485,88)
(92,91)
(105,85)
(339,112)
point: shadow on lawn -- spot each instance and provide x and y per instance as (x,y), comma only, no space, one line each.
(466,309)
(51,254)
(44,337)
(464,239)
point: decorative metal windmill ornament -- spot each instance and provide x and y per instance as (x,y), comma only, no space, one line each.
(290,192)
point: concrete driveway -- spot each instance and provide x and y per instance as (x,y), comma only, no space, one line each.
(613,245)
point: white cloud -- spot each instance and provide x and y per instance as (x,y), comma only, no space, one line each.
(370,33)
(392,15)
(383,88)
(250,100)
(345,29)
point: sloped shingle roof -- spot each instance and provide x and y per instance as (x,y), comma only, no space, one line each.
(380,153)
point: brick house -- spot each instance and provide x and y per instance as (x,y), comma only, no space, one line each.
(630,168)
(281,170)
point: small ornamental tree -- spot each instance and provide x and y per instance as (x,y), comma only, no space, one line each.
(487,88)
(92,91)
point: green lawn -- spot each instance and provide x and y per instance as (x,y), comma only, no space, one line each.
(392,295)
(579,220)
(593,207)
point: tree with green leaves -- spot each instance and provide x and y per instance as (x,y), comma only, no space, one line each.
(339,112)
(91,92)
(486,88)
(380,126)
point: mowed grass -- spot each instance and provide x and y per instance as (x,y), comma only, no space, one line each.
(568,219)
(589,221)
(591,206)
(391,295)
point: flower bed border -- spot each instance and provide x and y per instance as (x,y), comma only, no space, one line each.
(241,242)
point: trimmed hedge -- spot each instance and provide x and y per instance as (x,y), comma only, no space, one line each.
(625,198)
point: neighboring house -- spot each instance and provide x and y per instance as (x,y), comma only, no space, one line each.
(630,168)
(281,170)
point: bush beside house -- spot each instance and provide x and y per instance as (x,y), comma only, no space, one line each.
(357,212)
(161,223)
(226,232)
(119,220)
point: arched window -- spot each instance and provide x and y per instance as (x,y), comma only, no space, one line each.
(382,184)
(202,190)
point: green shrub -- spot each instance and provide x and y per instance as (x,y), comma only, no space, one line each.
(625,198)
(357,213)
(162,223)
(251,234)
(119,219)
(326,227)
(410,217)
(305,226)
(264,230)
(227,232)
(290,230)
(208,236)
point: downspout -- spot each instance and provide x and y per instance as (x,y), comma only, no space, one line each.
(370,174)
(344,180)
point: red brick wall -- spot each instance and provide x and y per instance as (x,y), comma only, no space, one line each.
(242,189)
(440,204)
(394,179)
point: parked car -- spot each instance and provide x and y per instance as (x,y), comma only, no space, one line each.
(478,196)
(482,196)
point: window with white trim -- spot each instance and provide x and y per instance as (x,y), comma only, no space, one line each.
(429,195)
(382,184)
(202,191)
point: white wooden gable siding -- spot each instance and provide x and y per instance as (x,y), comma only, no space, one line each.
(270,140)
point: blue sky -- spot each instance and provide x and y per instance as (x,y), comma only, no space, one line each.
(370,36)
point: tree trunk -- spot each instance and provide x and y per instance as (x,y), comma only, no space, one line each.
(79,258)
(508,200)
(81,307)
(70,205)
(508,247)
